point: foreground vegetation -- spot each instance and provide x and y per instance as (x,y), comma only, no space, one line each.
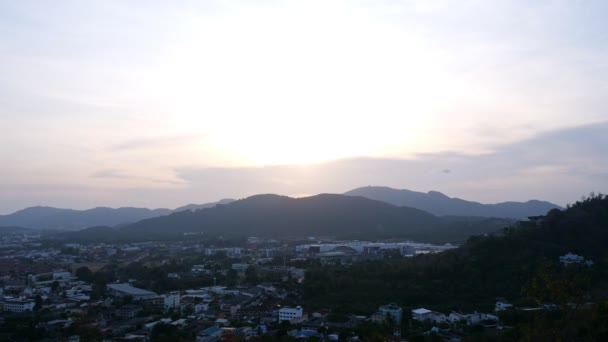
(521,265)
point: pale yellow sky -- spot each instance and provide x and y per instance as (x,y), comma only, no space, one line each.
(115,97)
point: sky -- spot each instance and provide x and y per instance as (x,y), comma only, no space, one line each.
(159,104)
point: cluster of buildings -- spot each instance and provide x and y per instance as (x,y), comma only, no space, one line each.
(425,315)
(125,311)
(354,251)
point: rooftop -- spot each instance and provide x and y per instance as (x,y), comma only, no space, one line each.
(128,289)
(421,311)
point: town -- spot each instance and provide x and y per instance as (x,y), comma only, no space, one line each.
(204,291)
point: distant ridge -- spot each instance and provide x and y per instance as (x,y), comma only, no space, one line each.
(12,230)
(193,207)
(439,204)
(49,218)
(324,215)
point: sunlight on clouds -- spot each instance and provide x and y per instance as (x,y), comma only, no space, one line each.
(292,85)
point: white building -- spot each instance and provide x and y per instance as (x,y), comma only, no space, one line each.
(288,314)
(171,300)
(18,305)
(425,315)
(421,314)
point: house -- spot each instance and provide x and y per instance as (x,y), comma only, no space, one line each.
(456,317)
(438,317)
(306,334)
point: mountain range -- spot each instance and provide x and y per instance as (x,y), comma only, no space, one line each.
(433,202)
(70,219)
(439,204)
(325,215)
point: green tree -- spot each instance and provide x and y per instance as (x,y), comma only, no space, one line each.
(84,273)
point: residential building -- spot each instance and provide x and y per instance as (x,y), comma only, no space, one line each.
(171,300)
(18,305)
(288,314)
(388,312)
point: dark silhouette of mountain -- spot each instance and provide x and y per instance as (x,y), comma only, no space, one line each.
(439,204)
(193,207)
(13,230)
(70,219)
(322,215)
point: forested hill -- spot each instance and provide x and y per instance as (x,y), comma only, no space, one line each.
(323,215)
(522,265)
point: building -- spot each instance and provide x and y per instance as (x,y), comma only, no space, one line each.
(62,275)
(421,314)
(124,290)
(502,306)
(571,258)
(289,314)
(386,311)
(18,305)
(210,334)
(171,300)
(128,311)
(240,267)
(425,315)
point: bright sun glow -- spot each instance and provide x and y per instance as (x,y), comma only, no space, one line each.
(294,85)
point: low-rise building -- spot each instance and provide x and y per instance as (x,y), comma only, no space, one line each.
(124,290)
(289,314)
(171,300)
(388,312)
(425,315)
(18,305)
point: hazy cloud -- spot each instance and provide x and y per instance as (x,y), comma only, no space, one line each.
(164,103)
(156,142)
(559,166)
(111,173)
